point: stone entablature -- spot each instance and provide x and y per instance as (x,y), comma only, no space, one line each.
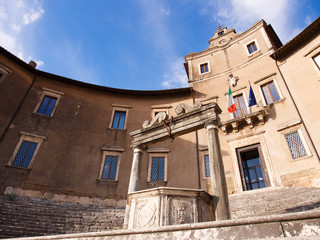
(169,206)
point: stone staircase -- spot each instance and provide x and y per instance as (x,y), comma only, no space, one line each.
(277,200)
(21,216)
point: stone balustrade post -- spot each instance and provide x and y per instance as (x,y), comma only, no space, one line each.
(217,174)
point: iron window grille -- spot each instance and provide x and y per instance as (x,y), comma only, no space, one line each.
(157,169)
(206,165)
(47,105)
(119,119)
(295,144)
(110,168)
(24,154)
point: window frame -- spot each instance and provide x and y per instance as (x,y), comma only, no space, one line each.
(163,154)
(245,105)
(247,48)
(113,153)
(119,108)
(302,139)
(315,62)
(5,71)
(30,138)
(235,93)
(265,81)
(208,65)
(48,93)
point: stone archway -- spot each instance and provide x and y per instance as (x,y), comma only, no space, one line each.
(189,119)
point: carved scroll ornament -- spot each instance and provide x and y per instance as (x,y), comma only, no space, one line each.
(157,118)
(183,107)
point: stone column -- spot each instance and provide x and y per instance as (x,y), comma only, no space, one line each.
(217,175)
(134,179)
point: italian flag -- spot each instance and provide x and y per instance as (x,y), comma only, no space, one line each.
(231,104)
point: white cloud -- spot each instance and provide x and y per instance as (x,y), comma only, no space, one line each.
(242,14)
(15,16)
(175,75)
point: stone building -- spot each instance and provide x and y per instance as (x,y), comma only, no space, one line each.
(65,140)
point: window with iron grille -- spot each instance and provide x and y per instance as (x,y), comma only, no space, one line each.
(47,105)
(270,92)
(295,144)
(110,167)
(157,168)
(25,154)
(119,119)
(26,150)
(206,165)
(252,47)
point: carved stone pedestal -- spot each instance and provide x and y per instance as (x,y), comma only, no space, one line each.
(169,206)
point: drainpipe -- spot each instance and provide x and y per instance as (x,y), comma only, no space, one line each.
(197,148)
(296,107)
(32,64)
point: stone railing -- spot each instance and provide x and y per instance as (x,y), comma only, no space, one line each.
(255,114)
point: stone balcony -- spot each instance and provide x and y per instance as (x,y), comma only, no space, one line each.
(252,116)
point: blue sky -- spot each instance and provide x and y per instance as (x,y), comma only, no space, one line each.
(134,44)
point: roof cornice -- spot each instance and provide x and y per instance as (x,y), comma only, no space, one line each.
(165,92)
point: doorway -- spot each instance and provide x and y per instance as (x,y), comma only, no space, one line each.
(252,167)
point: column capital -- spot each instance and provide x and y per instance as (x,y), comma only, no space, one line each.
(139,148)
(211,125)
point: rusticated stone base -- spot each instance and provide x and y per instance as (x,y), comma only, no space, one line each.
(305,178)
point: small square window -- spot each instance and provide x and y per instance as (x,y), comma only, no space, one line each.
(252,47)
(48,102)
(26,151)
(119,120)
(204,68)
(206,165)
(157,168)
(295,144)
(317,60)
(270,92)
(4,72)
(47,105)
(110,167)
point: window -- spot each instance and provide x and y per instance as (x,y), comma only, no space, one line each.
(47,105)
(157,168)
(110,167)
(157,171)
(252,47)
(240,106)
(295,144)
(110,163)
(119,116)
(119,120)
(252,167)
(48,102)
(270,92)
(220,33)
(4,72)
(206,162)
(204,68)
(25,151)
(317,60)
